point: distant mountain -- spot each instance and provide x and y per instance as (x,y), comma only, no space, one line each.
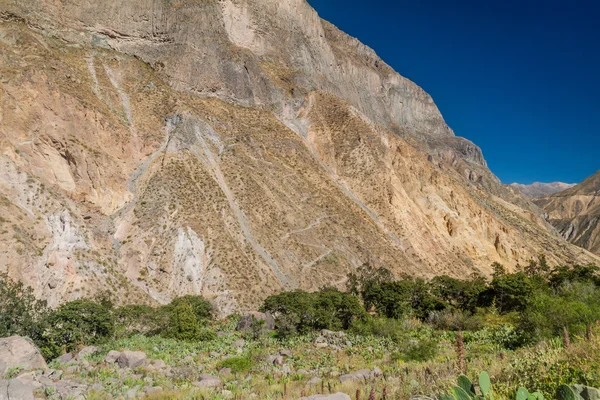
(540,189)
(575,212)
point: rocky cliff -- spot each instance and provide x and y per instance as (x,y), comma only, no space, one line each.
(230,148)
(575,213)
(539,189)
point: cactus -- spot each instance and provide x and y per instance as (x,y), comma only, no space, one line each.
(466,384)
(484,383)
(563,392)
(522,394)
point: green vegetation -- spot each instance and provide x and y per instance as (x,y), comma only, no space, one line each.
(533,330)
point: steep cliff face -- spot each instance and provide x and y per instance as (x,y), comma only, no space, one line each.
(234,149)
(575,213)
(539,189)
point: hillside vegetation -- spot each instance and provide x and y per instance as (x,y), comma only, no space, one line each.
(535,328)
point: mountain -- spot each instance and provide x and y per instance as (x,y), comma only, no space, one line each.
(233,149)
(576,213)
(539,189)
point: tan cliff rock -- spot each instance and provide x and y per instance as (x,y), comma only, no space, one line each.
(232,149)
(575,213)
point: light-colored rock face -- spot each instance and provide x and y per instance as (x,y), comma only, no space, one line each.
(232,149)
(539,189)
(18,352)
(575,213)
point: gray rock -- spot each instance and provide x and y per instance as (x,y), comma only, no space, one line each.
(131,393)
(586,392)
(14,389)
(154,389)
(357,376)
(285,353)
(131,359)
(279,360)
(159,364)
(86,351)
(73,369)
(19,352)
(207,381)
(286,369)
(238,344)
(97,387)
(315,380)
(225,371)
(112,357)
(377,372)
(65,358)
(336,396)
(249,320)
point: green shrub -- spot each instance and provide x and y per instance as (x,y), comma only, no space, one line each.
(183,325)
(20,312)
(420,351)
(381,327)
(455,320)
(201,307)
(301,312)
(141,319)
(237,364)
(76,323)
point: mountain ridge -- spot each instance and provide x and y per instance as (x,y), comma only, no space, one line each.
(575,212)
(234,150)
(541,189)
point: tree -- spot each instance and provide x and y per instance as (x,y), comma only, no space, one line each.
(201,308)
(76,323)
(20,311)
(183,324)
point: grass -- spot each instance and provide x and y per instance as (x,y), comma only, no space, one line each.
(542,367)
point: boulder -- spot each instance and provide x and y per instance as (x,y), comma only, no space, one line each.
(336,396)
(315,380)
(86,351)
(14,389)
(131,359)
(65,358)
(586,392)
(327,338)
(16,351)
(360,375)
(285,353)
(207,381)
(248,320)
(112,357)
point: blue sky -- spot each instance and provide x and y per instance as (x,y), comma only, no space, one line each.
(520,78)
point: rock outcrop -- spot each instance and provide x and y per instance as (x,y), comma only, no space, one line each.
(19,353)
(232,149)
(575,213)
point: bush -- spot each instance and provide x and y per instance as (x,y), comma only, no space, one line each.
(402,299)
(421,351)
(392,329)
(183,324)
(76,323)
(301,312)
(20,312)
(141,319)
(201,307)
(237,364)
(455,320)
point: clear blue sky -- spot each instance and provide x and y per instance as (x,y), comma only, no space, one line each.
(520,78)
